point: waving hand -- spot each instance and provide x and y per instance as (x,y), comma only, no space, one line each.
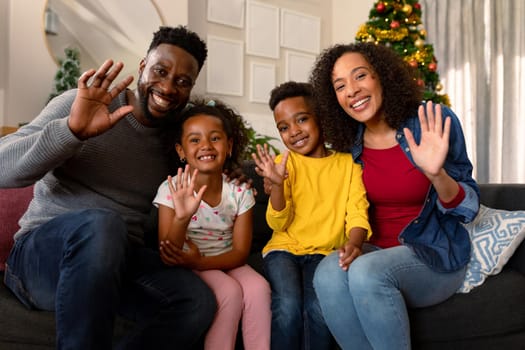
(90,115)
(432,150)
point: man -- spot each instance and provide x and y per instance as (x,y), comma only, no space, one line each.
(96,158)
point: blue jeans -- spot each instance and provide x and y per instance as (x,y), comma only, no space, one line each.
(297,321)
(366,306)
(82,266)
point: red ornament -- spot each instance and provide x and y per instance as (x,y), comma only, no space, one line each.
(380,7)
(394,24)
(413,63)
(432,66)
(417,5)
(420,82)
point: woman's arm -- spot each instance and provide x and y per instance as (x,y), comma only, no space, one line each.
(431,153)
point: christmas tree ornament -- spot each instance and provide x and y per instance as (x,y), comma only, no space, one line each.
(397,24)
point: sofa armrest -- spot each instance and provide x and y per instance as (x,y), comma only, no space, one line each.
(13,204)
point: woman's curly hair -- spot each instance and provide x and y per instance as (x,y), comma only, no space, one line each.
(232,122)
(401,93)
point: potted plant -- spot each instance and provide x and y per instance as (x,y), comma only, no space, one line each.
(68,73)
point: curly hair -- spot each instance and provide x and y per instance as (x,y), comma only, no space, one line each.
(233,124)
(292,89)
(401,93)
(182,37)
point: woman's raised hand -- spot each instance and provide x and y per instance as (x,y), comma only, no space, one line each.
(432,150)
(89,114)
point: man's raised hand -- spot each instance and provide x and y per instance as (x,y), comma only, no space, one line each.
(89,114)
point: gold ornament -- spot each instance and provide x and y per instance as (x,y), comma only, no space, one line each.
(439,87)
(362,33)
(423,33)
(407,9)
(419,43)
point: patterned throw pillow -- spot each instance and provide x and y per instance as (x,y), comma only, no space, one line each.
(495,234)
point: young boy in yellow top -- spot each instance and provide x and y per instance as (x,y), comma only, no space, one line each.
(317,205)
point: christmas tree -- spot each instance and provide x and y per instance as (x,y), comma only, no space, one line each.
(68,73)
(397,24)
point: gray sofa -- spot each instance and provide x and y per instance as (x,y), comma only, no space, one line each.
(492,316)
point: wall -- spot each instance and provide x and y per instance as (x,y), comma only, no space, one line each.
(258,114)
(347,16)
(30,68)
(27,69)
(4,5)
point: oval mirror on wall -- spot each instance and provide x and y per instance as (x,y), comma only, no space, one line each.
(101,29)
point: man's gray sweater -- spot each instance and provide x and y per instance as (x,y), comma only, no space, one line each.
(119,170)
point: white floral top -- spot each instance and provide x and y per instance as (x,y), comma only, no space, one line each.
(211,228)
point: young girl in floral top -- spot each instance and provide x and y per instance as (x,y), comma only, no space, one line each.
(205,223)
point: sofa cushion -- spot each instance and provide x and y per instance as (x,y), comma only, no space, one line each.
(23,328)
(495,235)
(13,203)
(494,309)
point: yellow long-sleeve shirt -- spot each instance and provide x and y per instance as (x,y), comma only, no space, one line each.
(325,198)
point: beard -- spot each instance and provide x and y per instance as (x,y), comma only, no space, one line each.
(169,117)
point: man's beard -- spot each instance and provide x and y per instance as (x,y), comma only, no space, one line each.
(155,121)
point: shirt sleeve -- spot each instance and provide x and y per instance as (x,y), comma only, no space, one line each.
(279,220)
(357,206)
(163,196)
(456,200)
(246,199)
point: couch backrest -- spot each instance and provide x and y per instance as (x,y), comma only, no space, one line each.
(261,230)
(503,196)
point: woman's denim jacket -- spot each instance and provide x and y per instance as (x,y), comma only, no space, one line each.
(436,235)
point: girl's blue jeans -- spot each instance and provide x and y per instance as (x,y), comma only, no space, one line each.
(366,306)
(297,321)
(82,266)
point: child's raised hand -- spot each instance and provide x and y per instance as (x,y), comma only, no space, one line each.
(184,199)
(267,167)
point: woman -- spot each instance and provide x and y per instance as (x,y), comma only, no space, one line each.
(419,183)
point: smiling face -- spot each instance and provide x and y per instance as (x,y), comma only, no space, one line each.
(166,77)
(357,88)
(298,127)
(204,143)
